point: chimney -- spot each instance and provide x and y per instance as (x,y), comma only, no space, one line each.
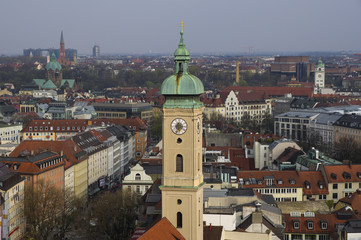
(32,153)
(61,153)
(218,96)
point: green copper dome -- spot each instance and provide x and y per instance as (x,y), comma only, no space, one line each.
(182,82)
(53,64)
(320,64)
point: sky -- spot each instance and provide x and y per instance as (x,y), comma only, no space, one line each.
(210,26)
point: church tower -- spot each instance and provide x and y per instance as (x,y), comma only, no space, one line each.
(319,76)
(61,59)
(182,183)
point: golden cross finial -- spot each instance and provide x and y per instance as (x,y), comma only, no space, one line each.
(181,25)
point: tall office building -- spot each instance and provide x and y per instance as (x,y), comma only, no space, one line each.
(96,51)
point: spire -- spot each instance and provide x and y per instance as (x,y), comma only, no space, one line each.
(61,37)
(181,54)
(53,58)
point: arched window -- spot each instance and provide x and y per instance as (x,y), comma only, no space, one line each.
(180,67)
(179,163)
(137,176)
(179,220)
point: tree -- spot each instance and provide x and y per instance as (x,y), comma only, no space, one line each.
(347,149)
(42,203)
(113,215)
(156,128)
(49,211)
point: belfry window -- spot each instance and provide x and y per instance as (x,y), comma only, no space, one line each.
(180,67)
(179,220)
(179,163)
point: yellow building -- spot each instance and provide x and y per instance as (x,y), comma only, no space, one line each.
(182,183)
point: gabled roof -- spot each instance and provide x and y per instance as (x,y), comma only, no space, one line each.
(163,229)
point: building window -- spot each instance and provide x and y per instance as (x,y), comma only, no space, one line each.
(179,220)
(138,189)
(296,224)
(334,186)
(310,224)
(334,196)
(323,225)
(137,176)
(348,185)
(179,163)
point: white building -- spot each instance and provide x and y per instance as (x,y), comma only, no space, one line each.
(137,181)
(10,133)
(319,77)
(250,104)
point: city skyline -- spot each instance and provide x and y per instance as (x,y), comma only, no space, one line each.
(144,27)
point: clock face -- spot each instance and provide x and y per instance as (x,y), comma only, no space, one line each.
(198,125)
(179,126)
(319,75)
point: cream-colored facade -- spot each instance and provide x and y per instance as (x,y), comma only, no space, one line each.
(283,194)
(13,214)
(69,183)
(10,133)
(256,110)
(182,191)
(137,180)
(210,111)
(97,168)
(81,179)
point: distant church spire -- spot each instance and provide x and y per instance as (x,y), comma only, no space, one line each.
(61,37)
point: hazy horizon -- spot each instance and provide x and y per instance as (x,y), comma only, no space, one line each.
(144,26)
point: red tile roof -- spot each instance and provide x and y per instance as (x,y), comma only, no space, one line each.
(134,123)
(343,173)
(330,219)
(163,229)
(68,148)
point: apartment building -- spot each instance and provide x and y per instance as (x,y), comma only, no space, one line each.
(51,130)
(348,127)
(294,125)
(11,204)
(341,180)
(252,105)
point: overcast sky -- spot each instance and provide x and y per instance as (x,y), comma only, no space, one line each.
(211,26)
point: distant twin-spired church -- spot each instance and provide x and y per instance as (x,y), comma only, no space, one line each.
(54,76)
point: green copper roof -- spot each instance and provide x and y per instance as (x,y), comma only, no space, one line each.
(69,82)
(53,64)
(61,37)
(182,82)
(320,64)
(49,85)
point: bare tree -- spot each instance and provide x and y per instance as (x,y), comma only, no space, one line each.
(113,215)
(42,204)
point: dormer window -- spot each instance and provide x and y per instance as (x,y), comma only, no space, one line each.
(320,184)
(307,184)
(333,176)
(346,175)
(259,182)
(359,174)
(309,224)
(323,225)
(292,181)
(296,224)
(279,181)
